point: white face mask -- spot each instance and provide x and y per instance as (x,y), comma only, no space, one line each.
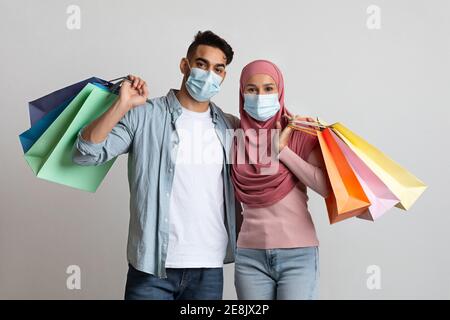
(261,107)
(203,85)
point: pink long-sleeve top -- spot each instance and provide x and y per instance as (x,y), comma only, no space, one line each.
(287,223)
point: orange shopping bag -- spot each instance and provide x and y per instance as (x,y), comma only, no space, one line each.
(347,198)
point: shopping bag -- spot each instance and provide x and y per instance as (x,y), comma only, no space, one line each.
(347,198)
(50,157)
(30,136)
(403,184)
(379,195)
(40,107)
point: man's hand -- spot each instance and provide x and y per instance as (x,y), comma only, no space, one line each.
(133,92)
(285,135)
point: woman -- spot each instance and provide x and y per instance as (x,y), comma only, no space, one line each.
(277,254)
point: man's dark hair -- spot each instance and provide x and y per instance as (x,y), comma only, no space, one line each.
(209,38)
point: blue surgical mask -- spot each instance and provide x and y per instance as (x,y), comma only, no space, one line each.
(203,85)
(261,106)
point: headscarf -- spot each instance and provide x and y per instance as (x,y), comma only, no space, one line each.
(252,187)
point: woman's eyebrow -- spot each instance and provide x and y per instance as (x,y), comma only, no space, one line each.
(269,84)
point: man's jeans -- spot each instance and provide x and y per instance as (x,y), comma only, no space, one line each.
(281,274)
(180,284)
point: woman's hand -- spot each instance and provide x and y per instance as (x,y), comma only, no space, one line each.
(285,135)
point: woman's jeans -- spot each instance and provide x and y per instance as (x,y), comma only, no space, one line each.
(180,284)
(277,274)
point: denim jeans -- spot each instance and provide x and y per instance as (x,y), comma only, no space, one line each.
(277,274)
(180,284)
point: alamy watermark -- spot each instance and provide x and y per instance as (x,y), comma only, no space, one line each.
(73,281)
(73,21)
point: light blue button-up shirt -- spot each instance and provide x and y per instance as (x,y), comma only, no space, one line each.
(148,134)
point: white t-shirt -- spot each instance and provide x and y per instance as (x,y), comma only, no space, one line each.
(197,234)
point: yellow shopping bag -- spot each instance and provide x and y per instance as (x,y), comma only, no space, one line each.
(406,187)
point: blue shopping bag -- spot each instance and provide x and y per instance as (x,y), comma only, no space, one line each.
(40,107)
(30,136)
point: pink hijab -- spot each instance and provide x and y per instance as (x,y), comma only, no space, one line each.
(251,186)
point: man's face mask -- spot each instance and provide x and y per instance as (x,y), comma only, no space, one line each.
(261,107)
(203,85)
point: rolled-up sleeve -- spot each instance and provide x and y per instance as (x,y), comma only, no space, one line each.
(117,142)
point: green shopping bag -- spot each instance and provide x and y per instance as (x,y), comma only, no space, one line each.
(50,157)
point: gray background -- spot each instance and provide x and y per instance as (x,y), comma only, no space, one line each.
(388,85)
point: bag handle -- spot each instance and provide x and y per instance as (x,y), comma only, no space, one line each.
(115,84)
(310,127)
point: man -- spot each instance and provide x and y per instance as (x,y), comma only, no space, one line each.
(182,204)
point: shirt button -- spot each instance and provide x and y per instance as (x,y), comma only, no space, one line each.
(170,169)
(167,194)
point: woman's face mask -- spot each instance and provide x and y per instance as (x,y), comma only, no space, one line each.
(261,107)
(202,85)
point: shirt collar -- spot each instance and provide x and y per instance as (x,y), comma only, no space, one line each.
(175,107)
